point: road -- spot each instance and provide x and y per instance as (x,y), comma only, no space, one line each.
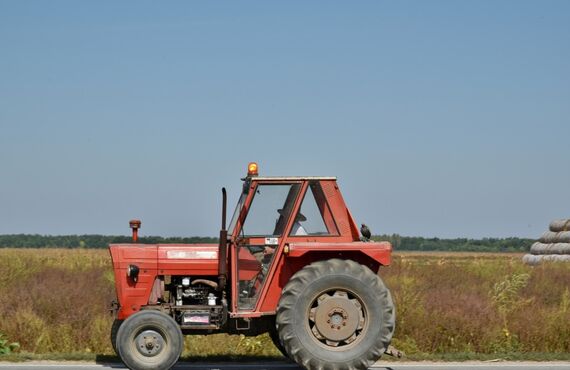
(49,365)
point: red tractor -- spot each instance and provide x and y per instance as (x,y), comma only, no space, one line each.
(292,263)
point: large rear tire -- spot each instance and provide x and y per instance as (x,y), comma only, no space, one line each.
(335,314)
(274,335)
(150,340)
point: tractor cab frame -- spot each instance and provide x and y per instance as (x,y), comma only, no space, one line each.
(281,224)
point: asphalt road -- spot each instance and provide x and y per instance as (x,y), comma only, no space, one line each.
(48,365)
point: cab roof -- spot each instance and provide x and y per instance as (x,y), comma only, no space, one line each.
(291,178)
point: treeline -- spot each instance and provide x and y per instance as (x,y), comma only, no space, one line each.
(416,243)
(87,241)
(404,243)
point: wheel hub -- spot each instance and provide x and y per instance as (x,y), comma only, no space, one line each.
(337,318)
(149,343)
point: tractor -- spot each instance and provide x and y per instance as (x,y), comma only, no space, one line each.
(292,263)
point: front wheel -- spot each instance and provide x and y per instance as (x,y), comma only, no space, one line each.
(149,340)
(114,330)
(335,314)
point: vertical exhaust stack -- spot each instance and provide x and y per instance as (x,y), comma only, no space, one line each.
(223,250)
(135,226)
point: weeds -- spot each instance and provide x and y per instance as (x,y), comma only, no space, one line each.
(55,301)
(7,347)
(505,295)
(478,303)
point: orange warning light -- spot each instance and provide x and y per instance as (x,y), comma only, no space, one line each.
(252,169)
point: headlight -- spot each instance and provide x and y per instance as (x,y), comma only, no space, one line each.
(133,272)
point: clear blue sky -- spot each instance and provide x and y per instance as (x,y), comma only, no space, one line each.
(440,118)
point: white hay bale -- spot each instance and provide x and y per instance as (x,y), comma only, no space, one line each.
(561,248)
(560,225)
(539,248)
(530,259)
(555,237)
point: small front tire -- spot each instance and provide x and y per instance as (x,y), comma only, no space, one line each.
(150,340)
(114,330)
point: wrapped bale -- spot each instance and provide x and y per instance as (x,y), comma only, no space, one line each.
(560,225)
(553,245)
(531,259)
(539,248)
(555,237)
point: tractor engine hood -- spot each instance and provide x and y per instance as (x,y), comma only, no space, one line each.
(166,259)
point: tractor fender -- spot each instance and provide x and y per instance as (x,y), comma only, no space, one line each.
(380,252)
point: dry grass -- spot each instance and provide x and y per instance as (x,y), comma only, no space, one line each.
(479,303)
(56,301)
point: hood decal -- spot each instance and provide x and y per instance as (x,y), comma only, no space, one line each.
(192,255)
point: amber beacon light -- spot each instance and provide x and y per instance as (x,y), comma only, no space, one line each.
(252,169)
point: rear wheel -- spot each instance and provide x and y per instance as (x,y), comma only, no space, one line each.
(274,335)
(149,340)
(335,314)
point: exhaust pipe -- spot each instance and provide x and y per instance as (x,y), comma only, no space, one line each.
(223,250)
(135,226)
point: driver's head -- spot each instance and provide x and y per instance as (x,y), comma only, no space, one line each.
(299,218)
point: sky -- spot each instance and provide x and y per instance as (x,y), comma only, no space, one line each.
(439,118)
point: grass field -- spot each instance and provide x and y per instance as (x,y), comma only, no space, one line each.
(468,304)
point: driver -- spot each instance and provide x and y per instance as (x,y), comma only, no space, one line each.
(298,229)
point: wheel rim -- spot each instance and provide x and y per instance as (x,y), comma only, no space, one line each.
(337,319)
(149,343)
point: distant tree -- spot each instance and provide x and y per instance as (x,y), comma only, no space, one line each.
(410,243)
